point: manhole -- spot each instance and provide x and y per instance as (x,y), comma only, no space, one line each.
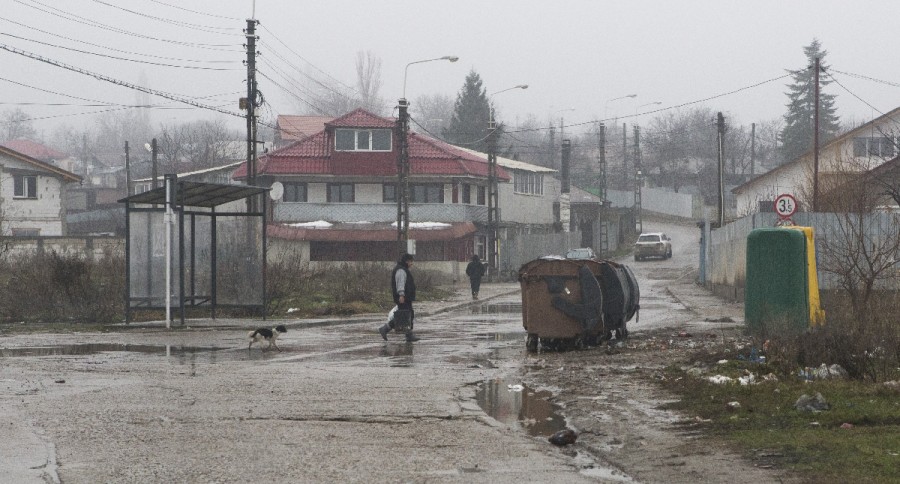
(517,405)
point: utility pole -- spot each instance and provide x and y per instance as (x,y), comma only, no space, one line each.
(251,104)
(565,213)
(815,204)
(720,124)
(752,149)
(402,191)
(84,158)
(155,173)
(127,172)
(638,179)
(624,157)
(493,197)
(601,159)
(552,146)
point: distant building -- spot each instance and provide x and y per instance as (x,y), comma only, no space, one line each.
(32,195)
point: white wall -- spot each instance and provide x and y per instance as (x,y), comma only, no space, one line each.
(529,209)
(43,213)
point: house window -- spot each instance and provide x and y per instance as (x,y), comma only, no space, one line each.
(340,193)
(466,193)
(30,232)
(480,195)
(362,140)
(24,186)
(528,183)
(427,193)
(875,146)
(294,192)
(389,193)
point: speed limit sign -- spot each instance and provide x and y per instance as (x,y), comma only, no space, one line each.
(785,205)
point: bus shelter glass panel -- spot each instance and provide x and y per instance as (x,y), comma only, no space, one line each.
(239,260)
(147,260)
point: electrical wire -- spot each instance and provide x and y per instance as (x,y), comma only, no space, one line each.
(114,49)
(289,92)
(194,11)
(163,94)
(290,81)
(201,28)
(91,23)
(292,51)
(138,61)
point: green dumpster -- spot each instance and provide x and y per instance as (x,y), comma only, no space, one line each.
(778,292)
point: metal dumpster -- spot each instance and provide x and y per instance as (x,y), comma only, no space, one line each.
(621,298)
(562,303)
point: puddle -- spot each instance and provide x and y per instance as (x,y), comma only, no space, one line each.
(527,408)
(94,348)
(512,336)
(497,308)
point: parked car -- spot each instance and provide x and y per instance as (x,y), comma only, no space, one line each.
(653,244)
(581,253)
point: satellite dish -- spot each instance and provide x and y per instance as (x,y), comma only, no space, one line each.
(276,191)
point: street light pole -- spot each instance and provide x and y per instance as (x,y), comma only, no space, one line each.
(402,133)
(493,190)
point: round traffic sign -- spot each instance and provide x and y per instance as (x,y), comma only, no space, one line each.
(785,205)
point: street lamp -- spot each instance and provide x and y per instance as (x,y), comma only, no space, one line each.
(606,104)
(402,192)
(493,195)
(654,103)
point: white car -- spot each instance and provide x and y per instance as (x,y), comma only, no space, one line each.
(581,253)
(653,244)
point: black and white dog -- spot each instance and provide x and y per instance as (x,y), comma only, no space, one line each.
(262,335)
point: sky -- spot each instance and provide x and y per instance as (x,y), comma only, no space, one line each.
(579,57)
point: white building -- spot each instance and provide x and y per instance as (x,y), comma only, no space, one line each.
(31,195)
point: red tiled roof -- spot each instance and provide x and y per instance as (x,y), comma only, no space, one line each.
(360,118)
(293,128)
(316,156)
(34,150)
(375,233)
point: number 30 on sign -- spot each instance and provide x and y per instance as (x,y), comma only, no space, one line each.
(785,205)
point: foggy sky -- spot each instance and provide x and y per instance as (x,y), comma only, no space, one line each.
(573,54)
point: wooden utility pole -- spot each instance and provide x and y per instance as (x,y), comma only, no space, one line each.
(720,124)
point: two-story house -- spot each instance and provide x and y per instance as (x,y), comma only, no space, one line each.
(32,193)
(338,199)
(841,159)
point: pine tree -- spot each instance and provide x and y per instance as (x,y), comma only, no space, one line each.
(797,135)
(471,113)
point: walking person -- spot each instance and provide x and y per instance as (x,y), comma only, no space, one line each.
(403,290)
(475,271)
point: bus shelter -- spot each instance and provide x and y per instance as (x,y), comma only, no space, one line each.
(195,245)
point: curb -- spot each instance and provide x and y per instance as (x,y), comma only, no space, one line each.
(300,323)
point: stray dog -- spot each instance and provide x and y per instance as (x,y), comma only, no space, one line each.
(266,335)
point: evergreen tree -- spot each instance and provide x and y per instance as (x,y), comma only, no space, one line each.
(797,135)
(471,113)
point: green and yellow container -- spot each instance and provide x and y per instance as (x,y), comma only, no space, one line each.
(782,287)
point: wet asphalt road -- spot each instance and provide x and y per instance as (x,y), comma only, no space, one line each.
(337,404)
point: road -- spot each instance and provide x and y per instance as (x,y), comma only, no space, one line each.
(465,404)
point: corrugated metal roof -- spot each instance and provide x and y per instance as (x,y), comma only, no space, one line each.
(196,194)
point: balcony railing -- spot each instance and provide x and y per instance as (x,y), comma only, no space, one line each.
(377,212)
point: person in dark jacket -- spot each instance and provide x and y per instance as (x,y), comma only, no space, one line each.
(403,290)
(475,270)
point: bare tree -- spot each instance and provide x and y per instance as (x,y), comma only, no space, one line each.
(17,125)
(197,145)
(368,81)
(432,113)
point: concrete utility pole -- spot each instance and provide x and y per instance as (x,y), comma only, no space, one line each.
(493,196)
(402,191)
(638,179)
(603,247)
(153,152)
(720,124)
(815,203)
(565,213)
(552,146)
(624,156)
(127,171)
(752,149)
(251,104)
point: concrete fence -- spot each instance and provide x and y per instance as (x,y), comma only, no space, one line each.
(93,246)
(726,253)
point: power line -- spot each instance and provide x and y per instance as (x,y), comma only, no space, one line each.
(305,60)
(163,94)
(867,78)
(117,57)
(304,101)
(202,28)
(91,23)
(195,11)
